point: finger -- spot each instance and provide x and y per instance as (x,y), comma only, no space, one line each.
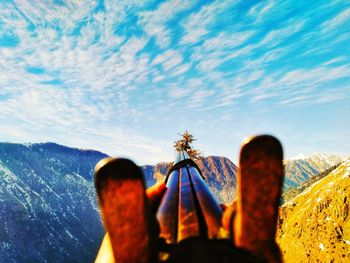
(155,194)
(228,216)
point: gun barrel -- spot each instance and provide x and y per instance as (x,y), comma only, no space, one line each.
(188,208)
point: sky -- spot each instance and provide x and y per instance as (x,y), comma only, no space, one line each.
(126,77)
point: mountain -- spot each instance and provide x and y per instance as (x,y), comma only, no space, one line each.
(314,226)
(155,173)
(299,170)
(220,175)
(220,172)
(48,210)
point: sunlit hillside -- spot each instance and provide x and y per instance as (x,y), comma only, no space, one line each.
(315,225)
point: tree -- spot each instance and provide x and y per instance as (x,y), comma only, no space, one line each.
(184,144)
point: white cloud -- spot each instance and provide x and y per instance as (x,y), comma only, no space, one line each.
(263,96)
(194,35)
(313,98)
(341,19)
(314,76)
(168,59)
(230,96)
(302,86)
(295,100)
(91,93)
(240,53)
(180,69)
(226,41)
(176,92)
(326,98)
(158,78)
(198,97)
(259,11)
(196,25)
(216,50)
(334,61)
(73,121)
(172,62)
(209,64)
(130,48)
(274,37)
(238,86)
(153,22)
(165,56)
(66,16)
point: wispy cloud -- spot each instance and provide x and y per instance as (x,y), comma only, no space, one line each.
(119,69)
(226,41)
(261,8)
(274,37)
(197,24)
(168,60)
(315,76)
(302,86)
(341,19)
(153,22)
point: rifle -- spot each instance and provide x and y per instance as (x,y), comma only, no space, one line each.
(188,209)
(188,224)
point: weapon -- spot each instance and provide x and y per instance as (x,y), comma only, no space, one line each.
(189,222)
(188,209)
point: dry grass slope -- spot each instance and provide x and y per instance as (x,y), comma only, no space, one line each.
(315,225)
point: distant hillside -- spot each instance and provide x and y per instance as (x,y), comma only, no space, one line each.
(48,210)
(315,225)
(298,171)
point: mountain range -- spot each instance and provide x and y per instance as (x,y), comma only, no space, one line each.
(48,205)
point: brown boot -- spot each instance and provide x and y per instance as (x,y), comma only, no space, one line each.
(125,210)
(260,181)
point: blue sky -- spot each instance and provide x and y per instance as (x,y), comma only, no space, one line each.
(125,77)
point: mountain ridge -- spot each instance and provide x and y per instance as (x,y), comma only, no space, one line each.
(48,208)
